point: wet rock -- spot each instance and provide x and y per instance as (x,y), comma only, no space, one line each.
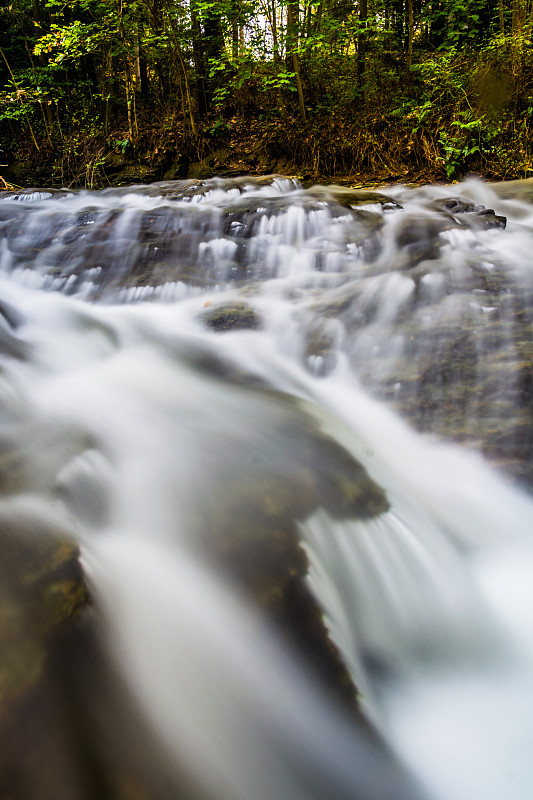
(160,224)
(11,345)
(457,206)
(32,195)
(486,218)
(215,366)
(260,547)
(521,189)
(56,742)
(344,486)
(353,197)
(418,238)
(471,214)
(182,240)
(231,317)
(320,351)
(41,589)
(240,221)
(339,300)
(45,228)
(266,487)
(458,366)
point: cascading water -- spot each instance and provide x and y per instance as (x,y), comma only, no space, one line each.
(202,383)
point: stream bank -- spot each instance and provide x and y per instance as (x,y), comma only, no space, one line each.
(328,152)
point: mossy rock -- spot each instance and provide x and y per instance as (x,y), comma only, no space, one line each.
(231,317)
(41,589)
(201,169)
(63,709)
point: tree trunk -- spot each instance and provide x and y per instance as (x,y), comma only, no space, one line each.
(141,69)
(199,63)
(235,30)
(275,39)
(318,18)
(398,20)
(234,41)
(410,35)
(187,90)
(361,41)
(292,44)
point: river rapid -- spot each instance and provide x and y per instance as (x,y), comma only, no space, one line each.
(241,399)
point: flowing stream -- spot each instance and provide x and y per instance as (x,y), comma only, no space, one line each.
(229,392)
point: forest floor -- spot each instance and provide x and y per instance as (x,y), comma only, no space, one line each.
(313,153)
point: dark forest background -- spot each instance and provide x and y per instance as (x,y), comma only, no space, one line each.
(382,88)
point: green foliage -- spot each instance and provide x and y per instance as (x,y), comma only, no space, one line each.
(281,80)
(70,42)
(120,145)
(456,93)
(456,151)
(218,127)
(460,22)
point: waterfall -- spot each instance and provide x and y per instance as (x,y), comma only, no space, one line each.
(290,431)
